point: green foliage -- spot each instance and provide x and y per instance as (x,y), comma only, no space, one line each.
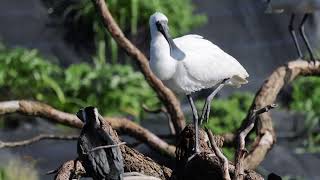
(227,114)
(115,89)
(306,99)
(131,15)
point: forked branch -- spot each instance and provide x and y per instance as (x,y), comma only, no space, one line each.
(267,94)
(241,149)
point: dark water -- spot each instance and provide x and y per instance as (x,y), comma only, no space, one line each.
(260,42)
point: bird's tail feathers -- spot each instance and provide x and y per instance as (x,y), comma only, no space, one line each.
(237,81)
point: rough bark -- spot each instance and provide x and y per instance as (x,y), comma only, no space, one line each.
(133,161)
(267,94)
(206,165)
(72,168)
(166,96)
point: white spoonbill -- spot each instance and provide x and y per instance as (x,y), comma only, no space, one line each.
(305,7)
(191,63)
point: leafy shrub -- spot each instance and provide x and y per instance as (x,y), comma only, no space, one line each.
(131,14)
(115,89)
(306,99)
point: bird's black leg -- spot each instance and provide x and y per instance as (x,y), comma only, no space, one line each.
(303,34)
(293,35)
(196,125)
(206,108)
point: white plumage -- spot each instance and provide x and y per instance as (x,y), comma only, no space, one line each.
(203,66)
(191,63)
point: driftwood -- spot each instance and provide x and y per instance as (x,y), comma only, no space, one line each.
(166,95)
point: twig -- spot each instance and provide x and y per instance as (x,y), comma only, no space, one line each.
(241,150)
(33,108)
(107,146)
(36,139)
(223,159)
(165,94)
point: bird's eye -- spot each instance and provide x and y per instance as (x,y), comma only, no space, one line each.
(158,24)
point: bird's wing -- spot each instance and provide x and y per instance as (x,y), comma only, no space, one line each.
(96,161)
(114,154)
(206,62)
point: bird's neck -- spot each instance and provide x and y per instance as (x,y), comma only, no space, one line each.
(161,63)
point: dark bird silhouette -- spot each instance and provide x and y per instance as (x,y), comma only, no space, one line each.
(294,7)
(102,162)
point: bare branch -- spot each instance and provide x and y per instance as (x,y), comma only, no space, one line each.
(223,159)
(267,94)
(142,134)
(36,139)
(241,149)
(205,165)
(165,94)
(33,108)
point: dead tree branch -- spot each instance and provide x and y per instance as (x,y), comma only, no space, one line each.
(267,94)
(36,139)
(241,148)
(206,165)
(223,159)
(123,125)
(165,94)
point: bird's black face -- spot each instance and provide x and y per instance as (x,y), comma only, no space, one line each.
(89,115)
(163,28)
